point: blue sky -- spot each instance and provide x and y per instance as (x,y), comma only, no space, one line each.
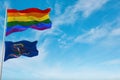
(83,43)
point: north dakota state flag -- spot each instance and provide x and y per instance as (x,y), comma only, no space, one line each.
(20,48)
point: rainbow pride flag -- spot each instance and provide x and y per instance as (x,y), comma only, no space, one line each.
(20,20)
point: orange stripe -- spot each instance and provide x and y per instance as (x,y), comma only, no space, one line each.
(26,14)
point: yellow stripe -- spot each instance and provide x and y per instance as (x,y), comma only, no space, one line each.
(27,18)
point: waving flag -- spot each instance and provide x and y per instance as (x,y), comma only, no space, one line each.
(21,48)
(20,20)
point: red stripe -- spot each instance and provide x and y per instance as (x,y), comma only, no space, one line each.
(29,10)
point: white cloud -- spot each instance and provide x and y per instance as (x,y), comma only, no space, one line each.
(92,35)
(112,62)
(57,72)
(88,6)
(115,32)
(65,41)
(57,9)
(106,31)
(71,13)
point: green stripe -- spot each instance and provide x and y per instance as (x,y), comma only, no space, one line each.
(28,23)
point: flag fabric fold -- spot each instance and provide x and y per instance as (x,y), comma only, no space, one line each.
(20,20)
(20,48)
